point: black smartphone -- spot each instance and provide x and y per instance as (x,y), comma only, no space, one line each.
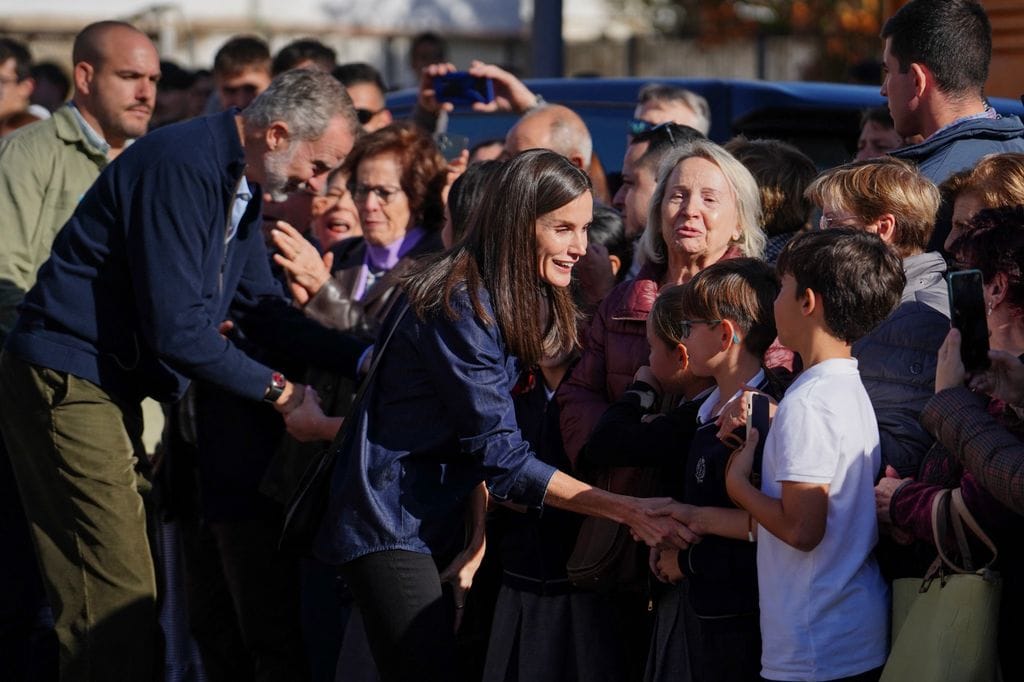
(461,87)
(967,313)
(451,145)
(757,414)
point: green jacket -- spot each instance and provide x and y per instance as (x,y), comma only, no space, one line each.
(45,168)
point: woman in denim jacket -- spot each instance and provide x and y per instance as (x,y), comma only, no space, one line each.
(438,416)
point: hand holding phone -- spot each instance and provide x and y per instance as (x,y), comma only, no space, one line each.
(967,314)
(462,87)
(757,413)
(451,145)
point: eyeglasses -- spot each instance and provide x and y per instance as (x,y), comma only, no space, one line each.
(829,221)
(686,326)
(366,115)
(384,194)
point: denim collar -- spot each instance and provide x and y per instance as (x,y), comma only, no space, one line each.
(91,136)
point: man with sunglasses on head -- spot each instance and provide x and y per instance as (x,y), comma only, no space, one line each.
(659,103)
(640,165)
(366,88)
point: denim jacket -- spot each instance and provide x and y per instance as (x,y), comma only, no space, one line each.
(437,419)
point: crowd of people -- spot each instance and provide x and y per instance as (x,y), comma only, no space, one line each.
(498,350)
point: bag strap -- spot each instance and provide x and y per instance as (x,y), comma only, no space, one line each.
(963,516)
(952,502)
(378,353)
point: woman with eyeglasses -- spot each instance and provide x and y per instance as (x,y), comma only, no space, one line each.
(437,417)
(395,179)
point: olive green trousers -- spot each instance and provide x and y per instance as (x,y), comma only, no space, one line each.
(79,462)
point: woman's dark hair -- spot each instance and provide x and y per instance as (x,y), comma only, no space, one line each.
(467,192)
(858,278)
(994,243)
(608,230)
(500,254)
(424,170)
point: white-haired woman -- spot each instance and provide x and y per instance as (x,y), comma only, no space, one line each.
(706,208)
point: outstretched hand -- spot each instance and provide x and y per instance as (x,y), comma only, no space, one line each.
(291,398)
(306,270)
(307,422)
(663,532)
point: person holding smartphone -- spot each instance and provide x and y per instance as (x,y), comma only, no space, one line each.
(994,244)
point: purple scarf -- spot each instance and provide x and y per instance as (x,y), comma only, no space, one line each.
(381,259)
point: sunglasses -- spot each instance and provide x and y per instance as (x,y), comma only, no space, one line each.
(636,126)
(365,115)
(651,132)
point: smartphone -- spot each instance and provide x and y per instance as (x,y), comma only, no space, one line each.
(451,145)
(967,313)
(757,414)
(461,87)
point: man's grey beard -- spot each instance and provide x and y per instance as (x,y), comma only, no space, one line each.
(275,175)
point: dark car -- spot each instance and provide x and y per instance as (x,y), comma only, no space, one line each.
(822,119)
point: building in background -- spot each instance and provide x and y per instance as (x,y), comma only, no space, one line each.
(833,40)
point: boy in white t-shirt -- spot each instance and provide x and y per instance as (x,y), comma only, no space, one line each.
(824,604)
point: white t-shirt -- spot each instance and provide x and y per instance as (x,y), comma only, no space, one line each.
(824,613)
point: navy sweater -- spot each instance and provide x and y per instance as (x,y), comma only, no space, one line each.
(139,278)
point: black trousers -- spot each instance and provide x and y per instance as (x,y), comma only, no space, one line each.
(409,619)
(243,600)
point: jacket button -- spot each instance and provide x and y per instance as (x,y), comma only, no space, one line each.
(916,368)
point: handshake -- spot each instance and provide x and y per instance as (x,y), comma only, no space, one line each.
(304,417)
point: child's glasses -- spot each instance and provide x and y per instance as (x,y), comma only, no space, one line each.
(686,326)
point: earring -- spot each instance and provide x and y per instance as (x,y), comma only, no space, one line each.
(989,308)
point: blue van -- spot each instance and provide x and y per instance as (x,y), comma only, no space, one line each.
(822,119)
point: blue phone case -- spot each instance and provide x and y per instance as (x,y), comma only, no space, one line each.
(463,88)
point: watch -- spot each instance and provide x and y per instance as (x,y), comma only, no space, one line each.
(276,388)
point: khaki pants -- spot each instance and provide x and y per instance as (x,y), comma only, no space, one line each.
(76,452)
